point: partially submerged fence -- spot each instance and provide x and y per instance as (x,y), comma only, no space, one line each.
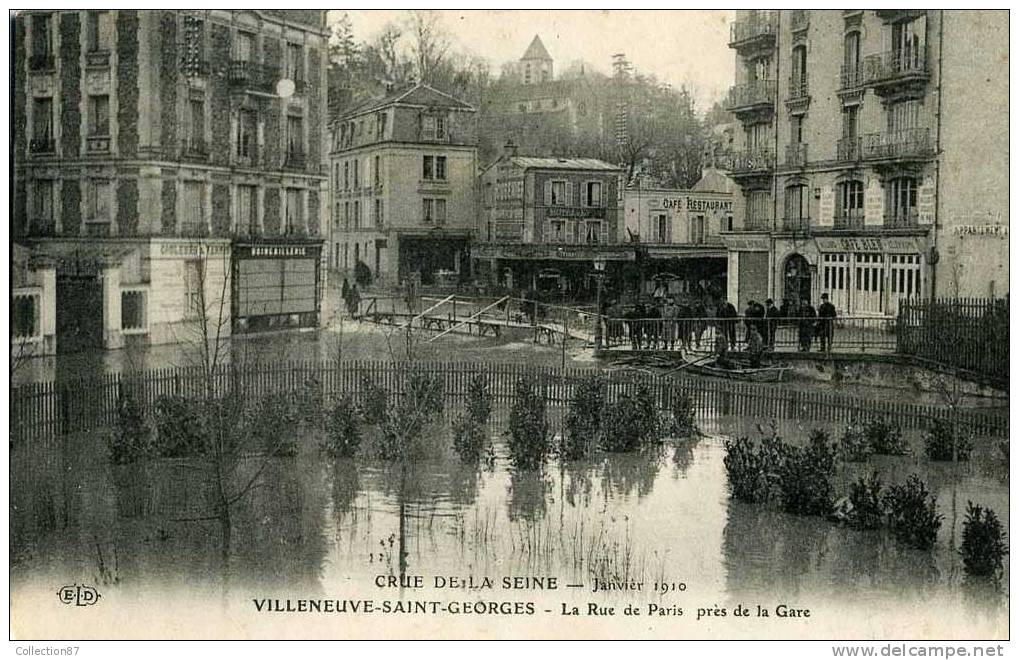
(967,333)
(50,409)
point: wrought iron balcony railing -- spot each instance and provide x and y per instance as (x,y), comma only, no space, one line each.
(902,218)
(757,224)
(798,86)
(799,225)
(847,149)
(799,19)
(851,77)
(252,75)
(751,94)
(752,161)
(98,144)
(907,143)
(796,154)
(848,219)
(894,66)
(761,27)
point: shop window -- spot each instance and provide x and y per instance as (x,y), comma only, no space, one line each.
(25,316)
(133,311)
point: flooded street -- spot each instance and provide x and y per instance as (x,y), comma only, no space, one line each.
(656,531)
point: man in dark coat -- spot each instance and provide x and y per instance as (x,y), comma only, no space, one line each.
(807,315)
(728,315)
(826,325)
(771,315)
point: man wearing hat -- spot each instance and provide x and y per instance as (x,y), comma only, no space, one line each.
(826,325)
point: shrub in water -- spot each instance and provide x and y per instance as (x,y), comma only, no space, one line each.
(942,443)
(342,429)
(470,439)
(529,437)
(855,446)
(479,400)
(427,392)
(583,421)
(631,423)
(131,438)
(983,542)
(885,438)
(865,510)
(180,427)
(912,513)
(309,404)
(745,470)
(374,402)
(682,423)
(273,424)
(807,477)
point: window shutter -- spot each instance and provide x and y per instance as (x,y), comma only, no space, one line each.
(548,193)
(569,194)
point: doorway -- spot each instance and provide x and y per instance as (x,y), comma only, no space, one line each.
(79,313)
(796,279)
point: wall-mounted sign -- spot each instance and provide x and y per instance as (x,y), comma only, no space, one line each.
(746,243)
(1000,231)
(574,212)
(886,244)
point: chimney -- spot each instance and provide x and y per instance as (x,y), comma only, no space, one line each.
(510,149)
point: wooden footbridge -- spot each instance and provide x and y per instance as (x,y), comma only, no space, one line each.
(453,314)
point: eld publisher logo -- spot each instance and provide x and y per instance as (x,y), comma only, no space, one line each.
(78,594)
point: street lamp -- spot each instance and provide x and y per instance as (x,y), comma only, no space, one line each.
(599,267)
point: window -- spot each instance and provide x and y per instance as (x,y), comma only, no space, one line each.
(908,42)
(379,221)
(433,127)
(559,193)
(294,211)
(42,36)
(357,214)
(434,211)
(295,62)
(795,205)
(247,134)
(592,194)
(99,115)
(98,31)
(905,115)
(758,209)
(195,138)
(346,175)
(428,168)
(798,81)
(346,216)
(193,210)
(440,168)
(662,230)
(247,209)
(902,201)
(132,311)
(98,209)
(377,171)
(194,276)
(244,47)
(697,229)
(440,127)
(295,135)
(357,174)
(42,202)
(556,231)
(849,203)
(25,313)
(42,123)
(592,232)
(796,129)
(758,136)
(380,125)
(851,57)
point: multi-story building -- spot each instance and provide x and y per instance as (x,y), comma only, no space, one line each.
(680,234)
(546,221)
(168,161)
(872,161)
(402,194)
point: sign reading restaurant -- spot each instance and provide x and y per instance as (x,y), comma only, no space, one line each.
(696,205)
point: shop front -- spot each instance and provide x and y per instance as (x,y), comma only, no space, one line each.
(558,270)
(276,285)
(749,257)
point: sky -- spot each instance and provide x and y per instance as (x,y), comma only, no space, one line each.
(679,47)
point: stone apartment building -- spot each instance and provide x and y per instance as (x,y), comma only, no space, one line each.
(870,157)
(544,222)
(402,188)
(166,158)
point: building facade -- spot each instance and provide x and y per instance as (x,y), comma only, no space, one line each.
(402,189)
(545,221)
(153,149)
(859,173)
(680,235)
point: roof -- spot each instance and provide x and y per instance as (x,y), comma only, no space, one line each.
(536,51)
(713,180)
(563,163)
(414,95)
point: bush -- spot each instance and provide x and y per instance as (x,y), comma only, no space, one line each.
(479,400)
(309,404)
(180,427)
(529,437)
(131,439)
(342,429)
(631,423)
(427,393)
(273,424)
(885,438)
(682,422)
(983,542)
(865,510)
(374,402)
(912,513)
(744,468)
(855,446)
(470,439)
(583,421)
(941,443)
(807,477)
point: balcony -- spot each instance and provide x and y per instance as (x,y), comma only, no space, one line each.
(847,150)
(796,155)
(751,162)
(799,95)
(753,97)
(796,225)
(44,145)
(902,219)
(897,71)
(849,219)
(194,67)
(246,74)
(851,79)
(41,62)
(756,224)
(97,59)
(194,149)
(98,144)
(905,145)
(755,32)
(799,20)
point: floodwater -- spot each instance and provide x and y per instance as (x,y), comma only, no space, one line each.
(660,524)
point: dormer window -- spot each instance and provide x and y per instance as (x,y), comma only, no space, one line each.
(433,127)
